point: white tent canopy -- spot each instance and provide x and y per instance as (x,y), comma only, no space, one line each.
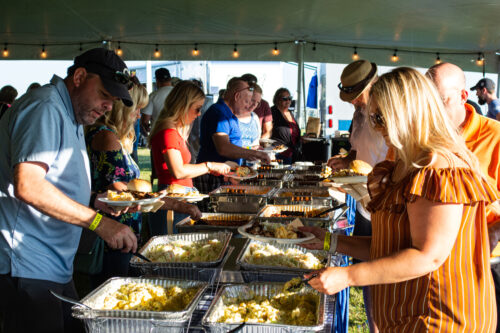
(376,27)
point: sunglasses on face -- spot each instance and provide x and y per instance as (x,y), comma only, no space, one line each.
(377,120)
(286,99)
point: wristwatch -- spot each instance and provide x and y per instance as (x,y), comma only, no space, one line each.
(209,166)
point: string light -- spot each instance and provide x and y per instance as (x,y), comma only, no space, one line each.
(236,54)
(119,51)
(157,53)
(43,54)
(195,50)
(314,46)
(480,59)
(355,55)
(395,57)
(5,52)
(438,59)
(275,50)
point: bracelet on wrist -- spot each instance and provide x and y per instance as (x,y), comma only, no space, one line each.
(326,242)
(96,221)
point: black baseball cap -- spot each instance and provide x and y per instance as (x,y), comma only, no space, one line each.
(249,78)
(162,74)
(113,72)
(484,83)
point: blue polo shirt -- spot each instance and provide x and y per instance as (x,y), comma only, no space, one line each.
(41,127)
(217,119)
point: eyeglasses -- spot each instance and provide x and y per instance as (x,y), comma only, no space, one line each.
(377,120)
(285,99)
(123,78)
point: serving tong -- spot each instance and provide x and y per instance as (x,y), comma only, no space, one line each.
(297,286)
(329,210)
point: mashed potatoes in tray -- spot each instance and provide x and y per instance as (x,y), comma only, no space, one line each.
(284,308)
(149,297)
(269,255)
(185,251)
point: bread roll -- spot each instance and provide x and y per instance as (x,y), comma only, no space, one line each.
(176,189)
(360,167)
(139,185)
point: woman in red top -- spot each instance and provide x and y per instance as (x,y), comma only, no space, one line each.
(168,139)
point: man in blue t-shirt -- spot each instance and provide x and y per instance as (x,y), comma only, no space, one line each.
(485,91)
(45,191)
(220,136)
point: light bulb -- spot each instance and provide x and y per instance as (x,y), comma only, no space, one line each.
(43,54)
(395,57)
(236,54)
(355,55)
(157,53)
(5,52)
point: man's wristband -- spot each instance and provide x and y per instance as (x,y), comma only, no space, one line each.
(333,243)
(326,243)
(95,222)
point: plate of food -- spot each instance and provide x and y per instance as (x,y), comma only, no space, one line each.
(139,192)
(242,173)
(275,148)
(265,143)
(184,193)
(356,173)
(274,232)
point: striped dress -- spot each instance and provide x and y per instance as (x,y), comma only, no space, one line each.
(460,295)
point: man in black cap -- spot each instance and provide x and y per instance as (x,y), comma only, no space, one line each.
(485,91)
(45,191)
(263,110)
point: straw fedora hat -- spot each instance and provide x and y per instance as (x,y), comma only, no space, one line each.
(355,78)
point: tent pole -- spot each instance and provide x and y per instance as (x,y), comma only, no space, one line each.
(299,111)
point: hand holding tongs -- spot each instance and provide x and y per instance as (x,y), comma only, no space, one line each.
(297,285)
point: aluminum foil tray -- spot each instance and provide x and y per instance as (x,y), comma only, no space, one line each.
(185,225)
(246,190)
(300,183)
(305,169)
(247,292)
(310,210)
(95,300)
(224,237)
(242,262)
(210,275)
(315,177)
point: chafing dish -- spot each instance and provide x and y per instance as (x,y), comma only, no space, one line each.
(223,237)
(242,260)
(314,177)
(215,222)
(240,198)
(303,195)
(263,182)
(99,320)
(248,292)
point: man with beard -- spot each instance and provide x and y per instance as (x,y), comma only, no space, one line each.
(45,191)
(485,91)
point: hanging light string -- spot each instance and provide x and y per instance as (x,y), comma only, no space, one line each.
(275,51)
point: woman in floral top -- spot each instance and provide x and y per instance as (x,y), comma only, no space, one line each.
(109,144)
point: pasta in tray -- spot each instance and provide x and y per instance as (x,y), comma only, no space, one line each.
(149,297)
(185,251)
(269,255)
(284,308)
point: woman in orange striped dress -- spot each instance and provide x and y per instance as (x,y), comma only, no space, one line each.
(428,257)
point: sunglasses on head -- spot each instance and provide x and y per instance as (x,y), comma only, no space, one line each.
(123,78)
(250,88)
(377,120)
(285,99)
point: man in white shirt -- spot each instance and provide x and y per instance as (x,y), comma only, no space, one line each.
(156,99)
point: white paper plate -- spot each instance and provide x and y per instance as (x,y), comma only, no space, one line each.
(243,228)
(252,174)
(349,179)
(190,198)
(274,150)
(266,142)
(129,203)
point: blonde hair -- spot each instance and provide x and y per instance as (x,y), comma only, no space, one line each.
(119,120)
(176,107)
(416,121)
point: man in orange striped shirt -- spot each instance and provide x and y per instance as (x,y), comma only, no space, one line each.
(482,137)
